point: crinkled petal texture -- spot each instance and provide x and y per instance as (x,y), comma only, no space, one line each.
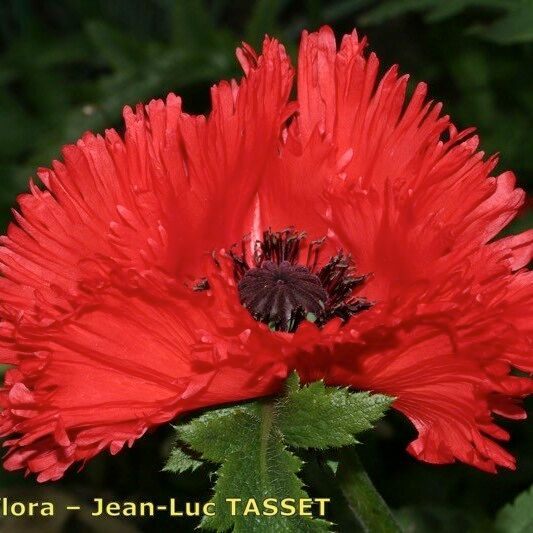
(106,337)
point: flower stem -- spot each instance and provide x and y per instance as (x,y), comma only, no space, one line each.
(362,497)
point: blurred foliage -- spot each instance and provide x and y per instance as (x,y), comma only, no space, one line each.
(517,517)
(67,66)
(513,25)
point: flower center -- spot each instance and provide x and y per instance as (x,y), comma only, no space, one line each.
(282,291)
(281,294)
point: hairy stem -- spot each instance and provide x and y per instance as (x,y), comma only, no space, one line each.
(362,497)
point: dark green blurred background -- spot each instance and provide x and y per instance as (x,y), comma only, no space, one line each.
(67,66)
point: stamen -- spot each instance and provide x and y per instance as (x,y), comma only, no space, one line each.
(201,285)
(280,292)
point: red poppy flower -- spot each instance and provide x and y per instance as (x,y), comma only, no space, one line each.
(364,256)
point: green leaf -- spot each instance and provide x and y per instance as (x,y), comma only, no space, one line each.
(251,442)
(317,416)
(517,517)
(217,433)
(179,462)
(255,465)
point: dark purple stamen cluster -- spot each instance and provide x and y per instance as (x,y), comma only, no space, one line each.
(280,292)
